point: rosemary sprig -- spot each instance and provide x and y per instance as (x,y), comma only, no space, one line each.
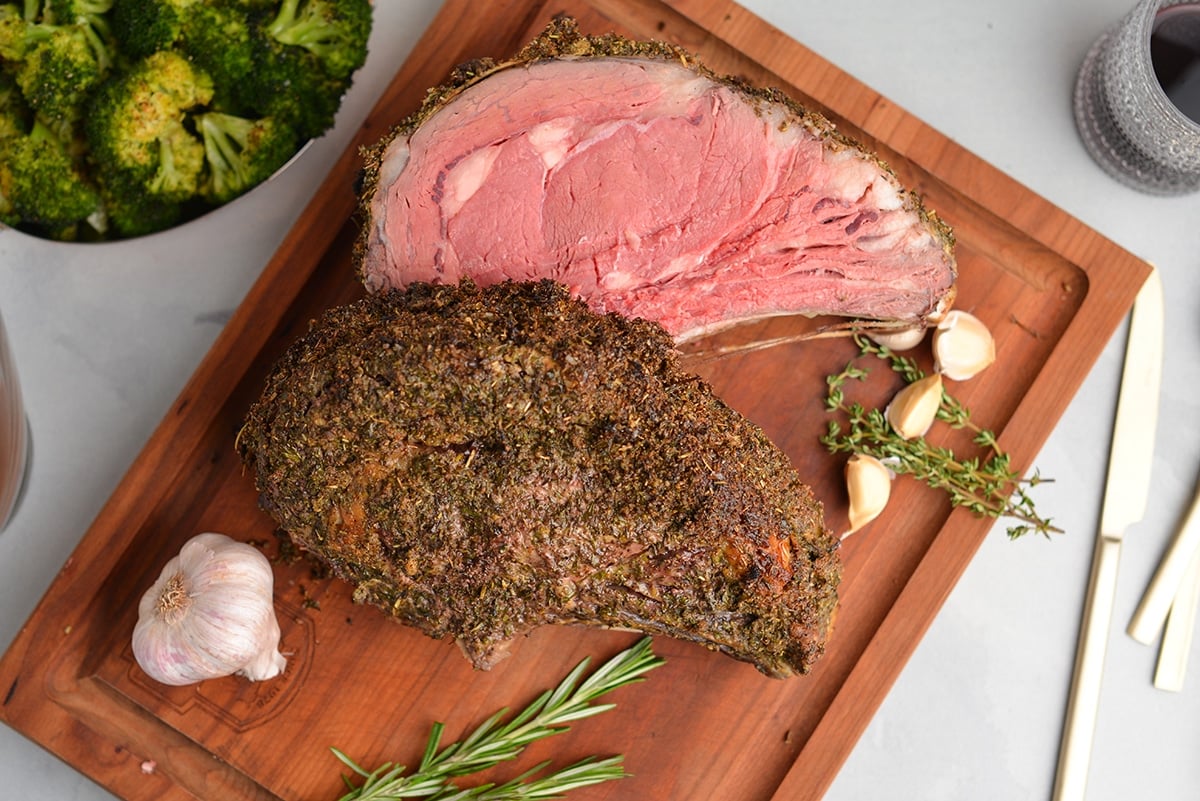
(986,486)
(493,742)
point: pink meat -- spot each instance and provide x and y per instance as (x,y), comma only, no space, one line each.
(652,190)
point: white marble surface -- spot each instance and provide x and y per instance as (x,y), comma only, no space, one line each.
(106,337)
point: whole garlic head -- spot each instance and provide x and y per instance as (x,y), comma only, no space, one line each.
(962,346)
(210,614)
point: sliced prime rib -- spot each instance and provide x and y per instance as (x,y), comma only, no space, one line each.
(482,461)
(651,187)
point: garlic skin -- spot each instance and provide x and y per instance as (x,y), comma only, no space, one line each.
(210,614)
(962,346)
(869,485)
(914,408)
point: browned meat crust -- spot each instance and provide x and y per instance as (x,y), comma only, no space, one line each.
(483,461)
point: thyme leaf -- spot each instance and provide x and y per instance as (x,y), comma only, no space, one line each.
(494,741)
(988,487)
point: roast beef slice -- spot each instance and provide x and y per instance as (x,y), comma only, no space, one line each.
(650,187)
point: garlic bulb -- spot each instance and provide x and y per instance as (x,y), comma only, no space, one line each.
(914,408)
(962,346)
(869,485)
(210,614)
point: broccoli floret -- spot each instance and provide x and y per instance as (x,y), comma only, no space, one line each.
(40,186)
(56,61)
(13,125)
(16,119)
(288,84)
(242,153)
(147,26)
(217,38)
(178,176)
(59,70)
(131,112)
(22,28)
(131,211)
(136,131)
(14,112)
(10,124)
(66,11)
(215,35)
(304,57)
(335,31)
(91,17)
(12,34)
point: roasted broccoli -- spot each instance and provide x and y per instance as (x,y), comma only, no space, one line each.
(12,34)
(14,111)
(302,59)
(242,153)
(166,108)
(135,129)
(55,61)
(41,187)
(65,11)
(147,26)
(130,211)
(217,37)
(288,84)
(335,31)
(214,34)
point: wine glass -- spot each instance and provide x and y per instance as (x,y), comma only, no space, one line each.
(14,434)
(1136,95)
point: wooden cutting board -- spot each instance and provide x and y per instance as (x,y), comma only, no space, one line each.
(703,726)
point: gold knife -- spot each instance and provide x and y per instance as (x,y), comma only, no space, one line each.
(1180,625)
(1126,492)
(1151,614)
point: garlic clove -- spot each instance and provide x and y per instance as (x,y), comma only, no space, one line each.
(209,614)
(869,484)
(914,408)
(962,346)
(899,339)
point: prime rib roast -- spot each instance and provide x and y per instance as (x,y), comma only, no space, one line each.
(500,435)
(649,186)
(482,461)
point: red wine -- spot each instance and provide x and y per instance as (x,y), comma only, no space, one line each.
(1175,54)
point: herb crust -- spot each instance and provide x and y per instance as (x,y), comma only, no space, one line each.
(479,462)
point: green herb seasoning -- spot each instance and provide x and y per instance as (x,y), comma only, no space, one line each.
(480,462)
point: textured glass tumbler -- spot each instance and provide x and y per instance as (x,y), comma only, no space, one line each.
(1127,122)
(14,434)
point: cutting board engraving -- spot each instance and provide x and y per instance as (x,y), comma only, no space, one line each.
(235,701)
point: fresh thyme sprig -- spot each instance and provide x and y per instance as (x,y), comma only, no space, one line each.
(986,486)
(492,743)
